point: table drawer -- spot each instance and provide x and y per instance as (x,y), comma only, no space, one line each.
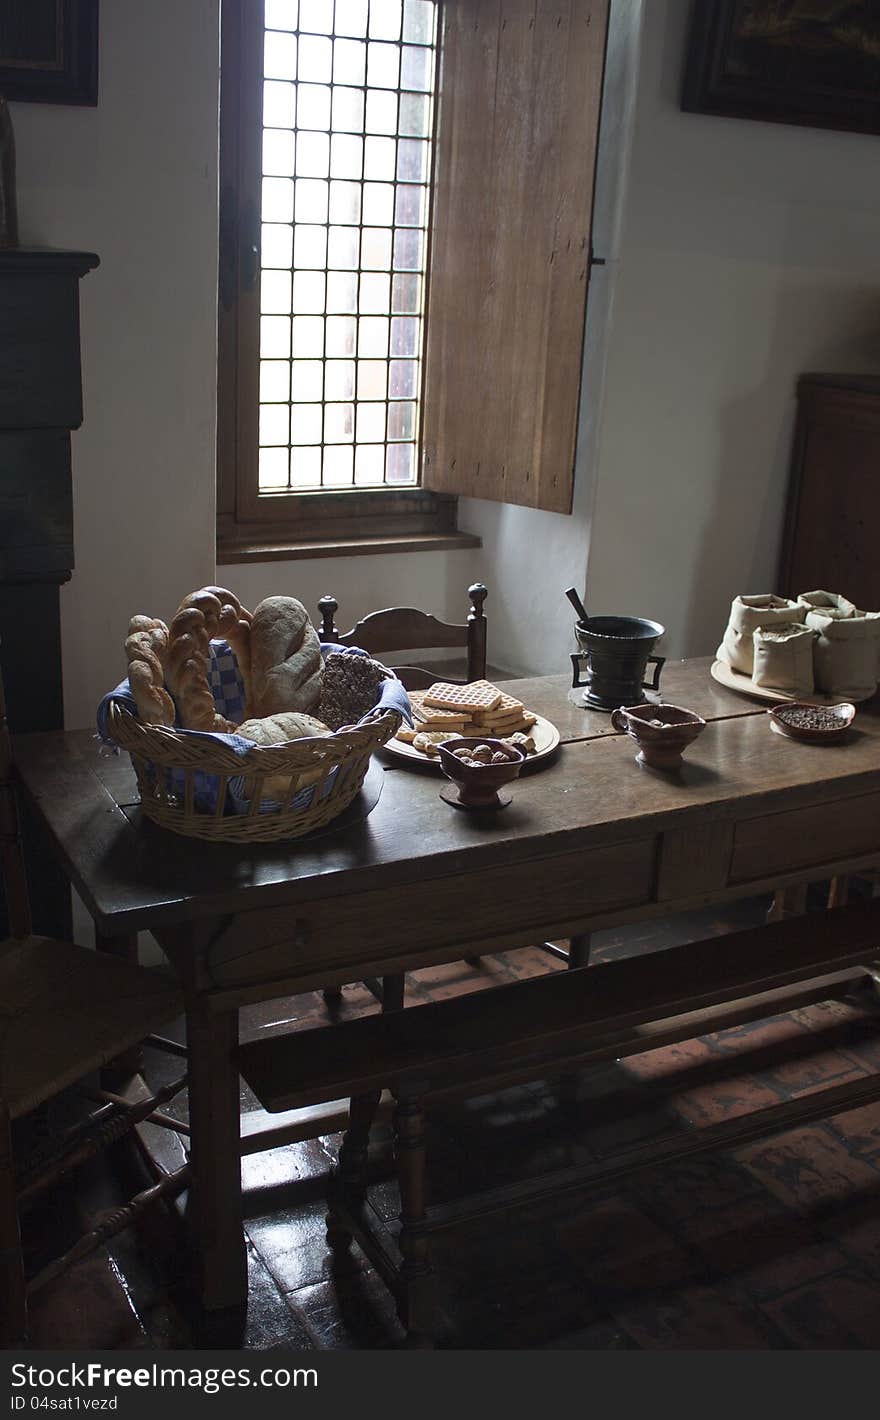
(526,900)
(824,834)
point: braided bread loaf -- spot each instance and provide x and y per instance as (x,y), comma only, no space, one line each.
(187,666)
(285,658)
(145,647)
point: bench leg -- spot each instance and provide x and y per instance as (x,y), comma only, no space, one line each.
(393,988)
(349,1181)
(417,1303)
(579,950)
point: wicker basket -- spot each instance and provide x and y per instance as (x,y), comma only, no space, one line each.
(312,780)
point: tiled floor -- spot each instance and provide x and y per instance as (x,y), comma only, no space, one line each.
(774,1246)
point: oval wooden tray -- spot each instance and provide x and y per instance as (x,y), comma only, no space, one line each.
(735,680)
(546,742)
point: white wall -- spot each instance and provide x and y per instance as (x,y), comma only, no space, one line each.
(751,253)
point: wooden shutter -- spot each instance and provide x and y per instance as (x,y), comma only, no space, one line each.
(519,94)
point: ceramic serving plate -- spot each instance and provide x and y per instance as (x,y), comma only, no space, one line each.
(545,734)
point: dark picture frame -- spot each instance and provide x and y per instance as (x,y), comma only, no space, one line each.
(49,51)
(782,61)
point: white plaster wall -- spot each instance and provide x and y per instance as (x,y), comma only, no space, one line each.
(135,180)
(751,253)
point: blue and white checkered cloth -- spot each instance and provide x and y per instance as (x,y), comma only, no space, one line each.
(227,688)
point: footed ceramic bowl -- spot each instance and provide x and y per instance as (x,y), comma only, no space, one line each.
(662,732)
(478,785)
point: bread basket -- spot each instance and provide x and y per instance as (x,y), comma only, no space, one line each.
(197,785)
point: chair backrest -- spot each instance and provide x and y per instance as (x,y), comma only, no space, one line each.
(405,628)
(18,908)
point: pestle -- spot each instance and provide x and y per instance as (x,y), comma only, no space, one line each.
(577,604)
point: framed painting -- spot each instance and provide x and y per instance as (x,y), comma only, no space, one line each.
(49,51)
(813,62)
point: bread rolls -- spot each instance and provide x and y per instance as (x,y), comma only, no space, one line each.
(145,647)
(285,658)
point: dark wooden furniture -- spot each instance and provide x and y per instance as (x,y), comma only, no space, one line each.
(590,841)
(40,403)
(64,1012)
(537,1030)
(405,628)
(833,509)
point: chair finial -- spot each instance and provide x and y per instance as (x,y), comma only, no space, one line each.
(328,607)
(478,594)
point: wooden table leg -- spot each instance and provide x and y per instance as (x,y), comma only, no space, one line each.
(214,1207)
(117,1073)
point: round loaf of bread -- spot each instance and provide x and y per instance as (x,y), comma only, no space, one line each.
(278,729)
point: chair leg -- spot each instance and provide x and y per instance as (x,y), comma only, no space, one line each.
(349,1182)
(417,1303)
(13,1295)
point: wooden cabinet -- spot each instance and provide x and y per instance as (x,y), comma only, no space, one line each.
(40,403)
(833,512)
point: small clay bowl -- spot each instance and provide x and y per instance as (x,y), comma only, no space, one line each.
(829,721)
(478,785)
(662,732)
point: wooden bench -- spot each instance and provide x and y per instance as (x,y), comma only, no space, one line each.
(542,1028)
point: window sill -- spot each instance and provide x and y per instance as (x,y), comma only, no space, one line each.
(255,551)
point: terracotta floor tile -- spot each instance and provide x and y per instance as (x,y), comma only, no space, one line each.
(837,1313)
(620,1250)
(89,1307)
(859,1130)
(697,1317)
(355,1313)
(807,1167)
(293,1246)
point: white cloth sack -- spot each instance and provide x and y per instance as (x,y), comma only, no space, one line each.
(784,657)
(829,603)
(747,615)
(845,655)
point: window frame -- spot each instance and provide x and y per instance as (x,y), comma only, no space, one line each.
(252,525)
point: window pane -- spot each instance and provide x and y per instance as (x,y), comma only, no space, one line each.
(305,468)
(342,291)
(378,208)
(274,424)
(345,202)
(312,155)
(348,110)
(342,249)
(339,379)
(383,66)
(338,466)
(400,463)
(351,17)
(411,206)
(406,294)
(308,294)
(381,111)
(308,336)
(305,423)
(415,116)
(375,249)
(279,55)
(311,200)
(375,294)
(380,155)
(401,421)
(275,293)
(408,249)
(341,335)
(278,152)
(279,104)
(277,245)
(310,246)
(372,379)
(346,156)
(308,380)
(313,106)
(274,336)
(316,15)
(372,336)
(338,423)
(371,423)
(405,335)
(349,61)
(412,160)
(385,20)
(315,59)
(416,68)
(369,464)
(418,21)
(277,199)
(281,14)
(403,380)
(274,380)
(273,468)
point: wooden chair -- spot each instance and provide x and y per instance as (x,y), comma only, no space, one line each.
(64,1012)
(404,628)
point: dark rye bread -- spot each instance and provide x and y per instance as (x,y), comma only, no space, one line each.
(349,688)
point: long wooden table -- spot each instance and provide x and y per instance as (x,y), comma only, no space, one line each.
(590,840)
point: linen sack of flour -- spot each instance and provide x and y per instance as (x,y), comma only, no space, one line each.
(845,654)
(829,603)
(747,615)
(784,657)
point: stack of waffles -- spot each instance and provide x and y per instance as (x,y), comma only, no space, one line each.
(445,711)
